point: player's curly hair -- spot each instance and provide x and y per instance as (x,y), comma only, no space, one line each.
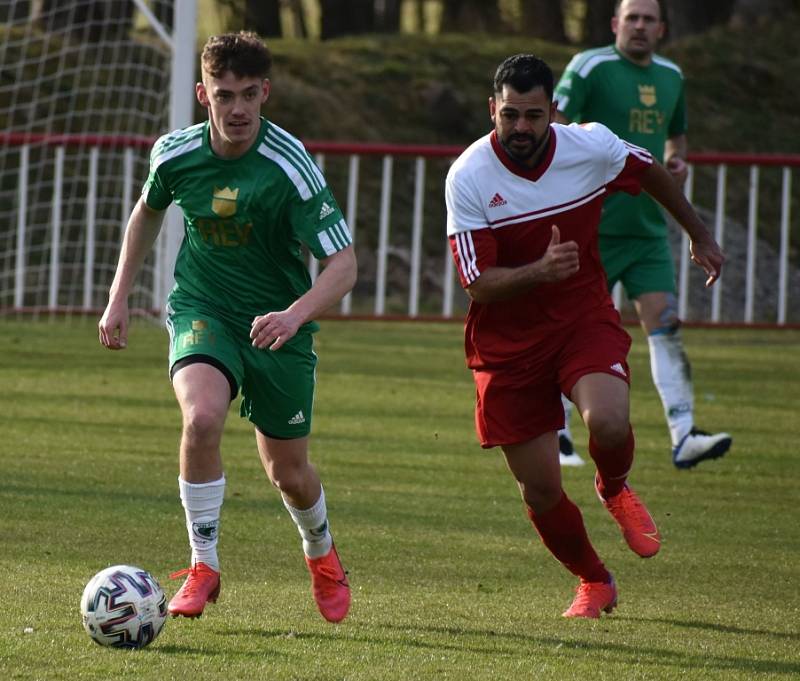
(243,53)
(524,72)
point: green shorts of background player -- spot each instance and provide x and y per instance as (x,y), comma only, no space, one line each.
(644,268)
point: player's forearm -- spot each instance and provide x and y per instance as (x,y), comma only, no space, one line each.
(334,282)
(657,182)
(502,283)
(140,235)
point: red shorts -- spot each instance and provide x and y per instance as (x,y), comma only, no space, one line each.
(523,401)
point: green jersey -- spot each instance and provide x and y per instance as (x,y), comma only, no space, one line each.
(644,105)
(245,220)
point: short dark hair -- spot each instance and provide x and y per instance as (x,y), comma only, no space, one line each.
(244,54)
(524,72)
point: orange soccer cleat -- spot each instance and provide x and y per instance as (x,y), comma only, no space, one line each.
(632,516)
(200,587)
(591,598)
(329,585)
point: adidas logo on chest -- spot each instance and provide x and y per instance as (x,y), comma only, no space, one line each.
(497,201)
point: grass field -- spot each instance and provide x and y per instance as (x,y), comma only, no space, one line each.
(449,579)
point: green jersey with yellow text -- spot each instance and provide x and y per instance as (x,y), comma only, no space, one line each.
(245,220)
(644,105)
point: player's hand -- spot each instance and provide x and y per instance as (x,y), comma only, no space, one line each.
(273,329)
(113,326)
(709,256)
(677,167)
(559,261)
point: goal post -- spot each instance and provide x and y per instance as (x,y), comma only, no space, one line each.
(86,87)
(183,68)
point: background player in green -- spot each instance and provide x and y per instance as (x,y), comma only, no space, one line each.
(640,96)
(240,314)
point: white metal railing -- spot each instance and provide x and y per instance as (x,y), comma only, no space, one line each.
(412,231)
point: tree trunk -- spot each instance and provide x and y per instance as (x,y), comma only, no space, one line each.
(419,10)
(597,22)
(298,16)
(471,16)
(346,17)
(263,17)
(543,19)
(387,16)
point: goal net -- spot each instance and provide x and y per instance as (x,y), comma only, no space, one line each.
(84,90)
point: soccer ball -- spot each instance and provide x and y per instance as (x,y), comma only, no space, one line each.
(123,607)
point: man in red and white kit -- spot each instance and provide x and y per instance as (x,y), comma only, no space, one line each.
(523,208)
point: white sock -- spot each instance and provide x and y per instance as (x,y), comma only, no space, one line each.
(202,503)
(672,376)
(312,523)
(567,404)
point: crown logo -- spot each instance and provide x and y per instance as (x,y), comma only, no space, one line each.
(647,94)
(223,201)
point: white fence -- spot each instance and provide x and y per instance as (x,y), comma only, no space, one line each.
(70,196)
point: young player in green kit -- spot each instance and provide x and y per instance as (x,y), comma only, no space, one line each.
(241,313)
(639,95)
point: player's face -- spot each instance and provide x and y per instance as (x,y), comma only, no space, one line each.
(234,109)
(638,28)
(522,121)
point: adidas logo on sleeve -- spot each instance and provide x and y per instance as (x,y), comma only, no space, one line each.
(325,210)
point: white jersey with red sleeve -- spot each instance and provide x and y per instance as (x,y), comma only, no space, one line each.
(500,214)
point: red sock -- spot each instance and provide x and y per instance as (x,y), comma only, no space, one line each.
(613,465)
(563,533)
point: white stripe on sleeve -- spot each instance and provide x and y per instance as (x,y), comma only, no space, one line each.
(467,257)
(326,243)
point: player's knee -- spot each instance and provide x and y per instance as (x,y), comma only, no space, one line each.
(541,495)
(287,477)
(608,425)
(202,426)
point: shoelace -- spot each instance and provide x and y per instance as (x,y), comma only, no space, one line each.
(190,585)
(181,573)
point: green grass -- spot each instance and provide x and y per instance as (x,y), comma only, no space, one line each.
(449,579)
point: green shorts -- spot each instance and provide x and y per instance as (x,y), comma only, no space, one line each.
(277,387)
(642,265)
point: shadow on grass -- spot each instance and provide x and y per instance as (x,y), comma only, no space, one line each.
(715,626)
(476,640)
(191,651)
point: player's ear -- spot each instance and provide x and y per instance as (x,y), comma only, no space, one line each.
(492,107)
(266,86)
(202,94)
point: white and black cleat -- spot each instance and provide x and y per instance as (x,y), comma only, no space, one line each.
(567,455)
(698,445)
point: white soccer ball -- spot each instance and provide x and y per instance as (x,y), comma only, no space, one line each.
(124,607)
